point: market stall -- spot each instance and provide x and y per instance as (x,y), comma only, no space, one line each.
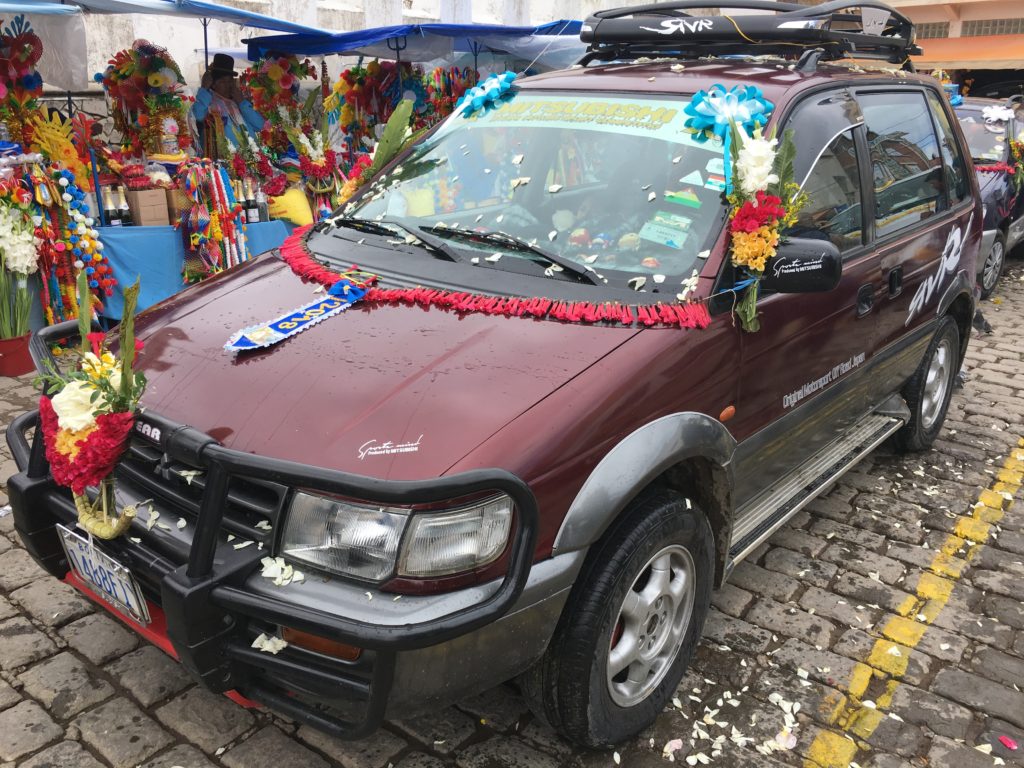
(176,184)
(146,206)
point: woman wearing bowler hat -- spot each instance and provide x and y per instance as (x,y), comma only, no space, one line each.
(220,107)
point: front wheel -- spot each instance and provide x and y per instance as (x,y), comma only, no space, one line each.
(991,271)
(630,626)
(929,390)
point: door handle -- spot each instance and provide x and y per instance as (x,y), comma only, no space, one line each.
(895,281)
(865,299)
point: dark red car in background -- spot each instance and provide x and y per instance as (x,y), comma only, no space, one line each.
(474,497)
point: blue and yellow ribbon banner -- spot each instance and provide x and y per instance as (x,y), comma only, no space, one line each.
(342,295)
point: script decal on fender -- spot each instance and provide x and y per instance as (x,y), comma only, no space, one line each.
(947,265)
(375,448)
(682,26)
(840,369)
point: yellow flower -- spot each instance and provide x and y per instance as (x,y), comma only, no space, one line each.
(97,368)
(155,80)
(753,249)
(67,440)
(274,72)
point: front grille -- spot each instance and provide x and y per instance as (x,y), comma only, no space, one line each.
(253,506)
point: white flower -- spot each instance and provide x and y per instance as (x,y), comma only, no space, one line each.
(754,164)
(74,407)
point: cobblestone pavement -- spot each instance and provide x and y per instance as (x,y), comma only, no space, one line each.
(886,622)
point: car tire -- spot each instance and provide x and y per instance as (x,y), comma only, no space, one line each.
(619,603)
(930,388)
(992,269)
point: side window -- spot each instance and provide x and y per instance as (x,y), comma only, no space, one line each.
(952,159)
(908,177)
(826,166)
(833,209)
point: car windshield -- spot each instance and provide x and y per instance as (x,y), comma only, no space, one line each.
(987,140)
(612,183)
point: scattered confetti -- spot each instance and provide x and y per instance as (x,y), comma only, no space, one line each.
(269,644)
(182,522)
(554,188)
(188,475)
(670,749)
(242,544)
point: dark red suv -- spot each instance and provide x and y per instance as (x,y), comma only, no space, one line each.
(541,475)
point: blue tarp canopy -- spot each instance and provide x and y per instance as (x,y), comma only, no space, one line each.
(196,9)
(42,8)
(410,42)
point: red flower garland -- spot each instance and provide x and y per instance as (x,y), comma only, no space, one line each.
(996,168)
(751,216)
(295,252)
(97,455)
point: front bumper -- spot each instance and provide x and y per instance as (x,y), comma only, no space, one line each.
(418,652)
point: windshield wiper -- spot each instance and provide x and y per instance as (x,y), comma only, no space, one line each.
(510,241)
(384,227)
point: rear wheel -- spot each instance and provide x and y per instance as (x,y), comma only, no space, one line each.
(630,625)
(992,270)
(928,392)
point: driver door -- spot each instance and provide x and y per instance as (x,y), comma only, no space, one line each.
(805,369)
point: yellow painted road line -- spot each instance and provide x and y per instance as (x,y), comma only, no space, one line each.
(887,661)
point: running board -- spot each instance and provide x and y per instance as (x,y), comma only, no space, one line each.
(766,513)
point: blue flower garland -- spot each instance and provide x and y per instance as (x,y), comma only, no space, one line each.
(714,110)
(487,94)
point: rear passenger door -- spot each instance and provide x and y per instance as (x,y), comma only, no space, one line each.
(919,223)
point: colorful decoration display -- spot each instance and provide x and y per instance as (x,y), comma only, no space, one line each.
(150,101)
(20,83)
(213,221)
(272,85)
(18,260)
(88,415)
(445,87)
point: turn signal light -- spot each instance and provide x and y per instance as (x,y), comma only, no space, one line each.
(319,644)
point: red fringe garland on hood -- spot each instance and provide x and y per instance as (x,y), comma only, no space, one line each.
(296,254)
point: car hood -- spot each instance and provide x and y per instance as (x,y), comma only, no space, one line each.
(396,392)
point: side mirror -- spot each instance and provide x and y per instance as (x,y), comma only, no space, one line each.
(803,265)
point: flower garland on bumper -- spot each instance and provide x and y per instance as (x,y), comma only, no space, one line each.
(87,416)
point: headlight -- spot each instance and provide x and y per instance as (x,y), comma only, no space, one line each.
(364,542)
(343,538)
(442,543)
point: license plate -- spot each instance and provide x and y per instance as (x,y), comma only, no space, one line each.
(110,580)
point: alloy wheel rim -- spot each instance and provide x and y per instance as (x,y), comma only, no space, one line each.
(936,384)
(650,625)
(993,265)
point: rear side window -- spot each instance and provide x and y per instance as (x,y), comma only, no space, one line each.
(833,208)
(906,167)
(952,159)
